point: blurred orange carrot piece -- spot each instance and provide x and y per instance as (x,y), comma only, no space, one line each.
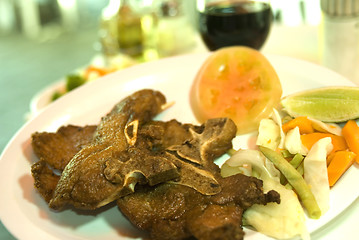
(303,123)
(330,157)
(350,132)
(98,70)
(341,161)
(338,142)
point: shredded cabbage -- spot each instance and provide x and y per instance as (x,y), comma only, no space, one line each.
(326,127)
(268,134)
(293,143)
(284,220)
(315,171)
(256,160)
(277,119)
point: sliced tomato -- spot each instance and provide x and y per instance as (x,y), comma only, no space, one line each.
(236,82)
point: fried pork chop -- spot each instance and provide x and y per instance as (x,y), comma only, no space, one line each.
(177,211)
(162,174)
(54,151)
(57,149)
(171,211)
(84,183)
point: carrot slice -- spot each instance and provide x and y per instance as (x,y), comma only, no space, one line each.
(350,132)
(341,161)
(93,69)
(338,142)
(330,157)
(303,123)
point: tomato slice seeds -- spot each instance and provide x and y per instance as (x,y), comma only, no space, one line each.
(236,82)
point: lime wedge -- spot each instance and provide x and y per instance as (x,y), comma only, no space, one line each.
(329,104)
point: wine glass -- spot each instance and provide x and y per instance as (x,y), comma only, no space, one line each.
(225,23)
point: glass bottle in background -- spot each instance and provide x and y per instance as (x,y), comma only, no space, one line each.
(129,30)
(128,27)
(149,20)
(108,29)
(175,33)
(340,37)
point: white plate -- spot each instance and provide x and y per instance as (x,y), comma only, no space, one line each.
(43,97)
(27,216)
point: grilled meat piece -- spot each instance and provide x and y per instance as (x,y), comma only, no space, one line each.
(177,209)
(162,135)
(194,149)
(147,161)
(216,222)
(83,182)
(179,190)
(172,211)
(196,156)
(45,180)
(57,149)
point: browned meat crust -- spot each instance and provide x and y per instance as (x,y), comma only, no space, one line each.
(179,190)
(172,211)
(162,135)
(84,183)
(45,179)
(216,222)
(57,149)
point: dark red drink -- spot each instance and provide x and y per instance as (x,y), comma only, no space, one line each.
(237,23)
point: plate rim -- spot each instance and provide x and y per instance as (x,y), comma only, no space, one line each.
(52,107)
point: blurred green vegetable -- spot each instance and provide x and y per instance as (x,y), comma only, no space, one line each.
(286,153)
(296,180)
(73,81)
(296,160)
(56,95)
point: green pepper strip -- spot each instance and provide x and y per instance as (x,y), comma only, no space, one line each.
(296,180)
(296,160)
(286,154)
(300,168)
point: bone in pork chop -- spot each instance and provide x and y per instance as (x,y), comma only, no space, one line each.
(56,149)
(119,157)
(171,212)
(177,210)
(83,183)
(161,173)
